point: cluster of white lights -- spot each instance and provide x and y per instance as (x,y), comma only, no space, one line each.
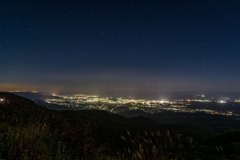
(2,100)
(222,101)
(237,100)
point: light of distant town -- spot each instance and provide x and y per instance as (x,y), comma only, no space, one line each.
(2,100)
(237,100)
(222,101)
(163,101)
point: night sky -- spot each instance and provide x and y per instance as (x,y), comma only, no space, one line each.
(120,46)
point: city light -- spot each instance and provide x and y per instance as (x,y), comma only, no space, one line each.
(222,101)
(115,105)
(237,100)
(2,100)
(164,101)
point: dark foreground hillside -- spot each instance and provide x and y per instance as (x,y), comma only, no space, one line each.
(31,132)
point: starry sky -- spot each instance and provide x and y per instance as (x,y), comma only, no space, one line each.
(120,46)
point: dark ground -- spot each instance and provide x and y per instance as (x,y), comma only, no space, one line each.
(29,131)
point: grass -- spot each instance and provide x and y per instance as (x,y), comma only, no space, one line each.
(29,132)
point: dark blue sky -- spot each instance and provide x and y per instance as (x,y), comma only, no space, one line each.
(116,46)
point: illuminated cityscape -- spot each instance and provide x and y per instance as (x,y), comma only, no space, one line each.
(115,105)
